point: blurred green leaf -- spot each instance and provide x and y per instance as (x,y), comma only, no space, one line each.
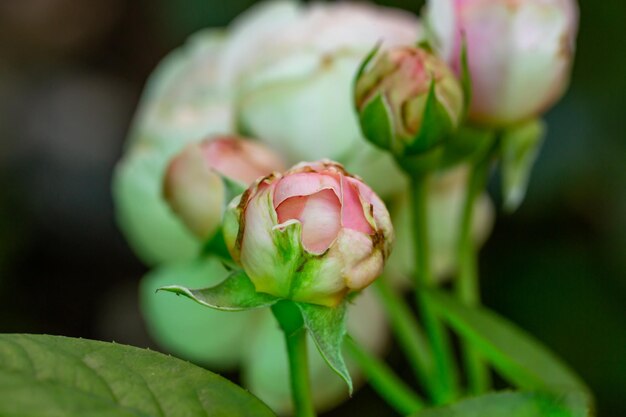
(520,148)
(509,404)
(327,326)
(235,293)
(516,355)
(58,376)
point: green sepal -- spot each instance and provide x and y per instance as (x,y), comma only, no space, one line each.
(465,78)
(512,404)
(217,246)
(435,127)
(520,147)
(416,166)
(376,123)
(235,293)
(233,188)
(467,144)
(425,45)
(365,63)
(327,326)
(517,356)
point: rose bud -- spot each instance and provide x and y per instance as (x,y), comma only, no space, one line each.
(312,234)
(408,100)
(195,184)
(519,52)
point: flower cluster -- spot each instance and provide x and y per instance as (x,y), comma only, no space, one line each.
(298,81)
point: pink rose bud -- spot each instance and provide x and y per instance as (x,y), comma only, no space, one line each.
(408,100)
(519,52)
(312,234)
(197,180)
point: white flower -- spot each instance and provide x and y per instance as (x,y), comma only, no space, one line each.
(519,52)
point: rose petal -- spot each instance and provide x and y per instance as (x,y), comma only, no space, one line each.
(241,160)
(352,216)
(304,184)
(320,215)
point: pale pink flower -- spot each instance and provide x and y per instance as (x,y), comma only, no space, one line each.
(312,234)
(520,52)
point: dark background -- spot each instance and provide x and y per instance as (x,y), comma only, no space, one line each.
(71,72)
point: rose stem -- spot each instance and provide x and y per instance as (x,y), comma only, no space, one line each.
(467,285)
(290,320)
(445,372)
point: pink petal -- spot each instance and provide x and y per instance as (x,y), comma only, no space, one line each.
(241,160)
(352,216)
(303,184)
(320,215)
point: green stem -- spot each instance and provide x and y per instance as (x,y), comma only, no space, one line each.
(409,334)
(393,390)
(467,285)
(445,370)
(290,320)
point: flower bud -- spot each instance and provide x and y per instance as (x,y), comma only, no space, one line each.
(195,182)
(312,234)
(408,100)
(519,52)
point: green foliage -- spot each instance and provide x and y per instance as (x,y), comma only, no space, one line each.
(516,355)
(506,404)
(58,376)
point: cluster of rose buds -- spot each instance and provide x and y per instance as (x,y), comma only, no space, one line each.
(315,233)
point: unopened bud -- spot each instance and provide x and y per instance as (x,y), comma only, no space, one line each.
(313,234)
(408,100)
(197,180)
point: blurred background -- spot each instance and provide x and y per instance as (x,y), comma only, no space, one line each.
(71,72)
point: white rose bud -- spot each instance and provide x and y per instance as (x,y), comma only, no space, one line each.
(519,52)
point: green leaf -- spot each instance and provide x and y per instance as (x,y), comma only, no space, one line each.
(49,376)
(235,293)
(515,354)
(376,123)
(520,148)
(327,326)
(436,125)
(511,404)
